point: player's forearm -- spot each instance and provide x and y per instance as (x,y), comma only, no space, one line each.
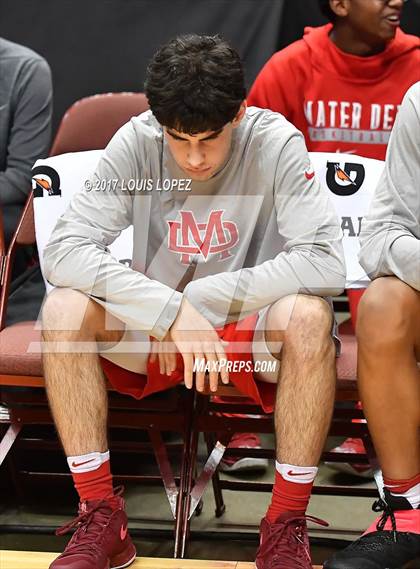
(142,303)
(232,296)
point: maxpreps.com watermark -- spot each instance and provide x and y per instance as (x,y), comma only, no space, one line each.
(143,185)
(262,366)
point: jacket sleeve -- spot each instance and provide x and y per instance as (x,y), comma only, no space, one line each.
(312,261)
(30,131)
(77,254)
(390,234)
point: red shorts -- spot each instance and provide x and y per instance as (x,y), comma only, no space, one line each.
(140,386)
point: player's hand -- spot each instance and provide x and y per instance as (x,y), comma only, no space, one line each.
(198,341)
(165,351)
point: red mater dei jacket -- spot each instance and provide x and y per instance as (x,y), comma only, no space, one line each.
(341,102)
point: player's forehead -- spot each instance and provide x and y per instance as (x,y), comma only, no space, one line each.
(208,134)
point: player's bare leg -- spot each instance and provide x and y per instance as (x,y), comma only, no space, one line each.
(78,399)
(388,332)
(298,331)
(306,388)
(75,381)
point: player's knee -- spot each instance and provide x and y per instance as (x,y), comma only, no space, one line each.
(311,317)
(384,312)
(66,310)
(309,320)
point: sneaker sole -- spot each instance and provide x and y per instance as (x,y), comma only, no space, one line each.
(126,564)
(413,564)
(245,464)
(348,469)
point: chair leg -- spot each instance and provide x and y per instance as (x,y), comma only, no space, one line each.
(217,490)
(208,471)
(181,510)
(186,503)
(165,468)
(14,476)
(8,439)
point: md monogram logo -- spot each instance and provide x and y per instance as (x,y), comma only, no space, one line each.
(341,181)
(45,181)
(188,237)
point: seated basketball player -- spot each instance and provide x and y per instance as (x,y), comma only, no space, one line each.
(345,82)
(240,253)
(388,331)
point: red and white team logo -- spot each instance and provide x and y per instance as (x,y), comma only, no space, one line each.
(191,238)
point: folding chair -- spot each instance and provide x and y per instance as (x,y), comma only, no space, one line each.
(88,124)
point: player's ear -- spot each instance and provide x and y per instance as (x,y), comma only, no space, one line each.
(240,114)
(340,7)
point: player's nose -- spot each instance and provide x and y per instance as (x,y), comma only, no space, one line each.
(195,158)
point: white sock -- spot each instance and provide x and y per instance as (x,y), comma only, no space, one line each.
(412,495)
(87,462)
(297,474)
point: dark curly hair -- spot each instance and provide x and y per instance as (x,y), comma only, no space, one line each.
(324,6)
(195,83)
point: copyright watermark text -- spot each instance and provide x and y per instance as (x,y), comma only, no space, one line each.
(135,185)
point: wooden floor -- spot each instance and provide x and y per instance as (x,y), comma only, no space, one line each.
(31,560)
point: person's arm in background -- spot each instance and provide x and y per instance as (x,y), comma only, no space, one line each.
(390,237)
(30,132)
(312,261)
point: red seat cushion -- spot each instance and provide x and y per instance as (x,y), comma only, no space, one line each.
(20,350)
(347,362)
(20,353)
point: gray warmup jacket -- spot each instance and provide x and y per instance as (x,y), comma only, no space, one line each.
(259,229)
(25,118)
(390,236)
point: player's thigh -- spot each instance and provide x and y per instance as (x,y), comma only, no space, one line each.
(266,365)
(266,352)
(130,352)
(390,307)
(72,313)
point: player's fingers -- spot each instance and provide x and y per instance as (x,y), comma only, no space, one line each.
(214,370)
(221,356)
(188,369)
(199,370)
(171,358)
(153,351)
(165,358)
(162,365)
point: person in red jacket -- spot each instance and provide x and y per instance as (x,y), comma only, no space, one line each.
(342,85)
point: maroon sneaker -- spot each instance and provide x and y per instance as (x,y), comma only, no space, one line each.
(285,543)
(101,540)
